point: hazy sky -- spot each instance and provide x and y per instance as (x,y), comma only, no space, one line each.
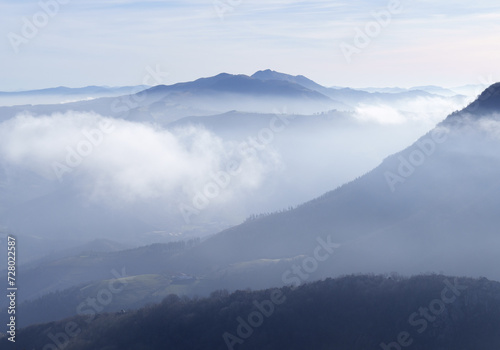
(112,42)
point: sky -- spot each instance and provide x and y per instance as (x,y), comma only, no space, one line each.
(77,43)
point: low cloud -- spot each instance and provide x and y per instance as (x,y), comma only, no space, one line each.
(491,125)
(382,114)
(125,161)
(426,111)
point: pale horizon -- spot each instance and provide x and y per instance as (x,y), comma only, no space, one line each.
(484,81)
(77,43)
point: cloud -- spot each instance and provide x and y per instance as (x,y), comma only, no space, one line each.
(382,114)
(491,125)
(424,110)
(116,160)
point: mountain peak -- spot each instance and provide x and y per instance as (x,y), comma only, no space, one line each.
(269,74)
(487,102)
(266,71)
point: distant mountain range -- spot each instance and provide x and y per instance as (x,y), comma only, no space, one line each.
(432,89)
(263,92)
(353,97)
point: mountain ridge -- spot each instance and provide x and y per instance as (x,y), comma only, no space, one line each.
(241,83)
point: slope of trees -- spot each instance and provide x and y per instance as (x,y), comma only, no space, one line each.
(354,312)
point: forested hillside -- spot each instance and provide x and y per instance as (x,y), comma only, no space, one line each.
(349,313)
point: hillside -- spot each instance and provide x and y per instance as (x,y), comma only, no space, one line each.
(348,313)
(437,213)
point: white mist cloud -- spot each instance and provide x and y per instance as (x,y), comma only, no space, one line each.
(117,160)
(382,114)
(422,110)
(491,125)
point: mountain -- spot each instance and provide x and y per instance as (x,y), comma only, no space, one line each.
(353,98)
(244,93)
(205,96)
(350,313)
(431,207)
(486,104)
(242,84)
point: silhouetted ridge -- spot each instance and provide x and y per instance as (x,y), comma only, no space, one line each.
(486,103)
(243,84)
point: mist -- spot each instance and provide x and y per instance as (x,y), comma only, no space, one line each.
(173,177)
(165,174)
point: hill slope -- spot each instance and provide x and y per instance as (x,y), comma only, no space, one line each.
(432,207)
(352,313)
